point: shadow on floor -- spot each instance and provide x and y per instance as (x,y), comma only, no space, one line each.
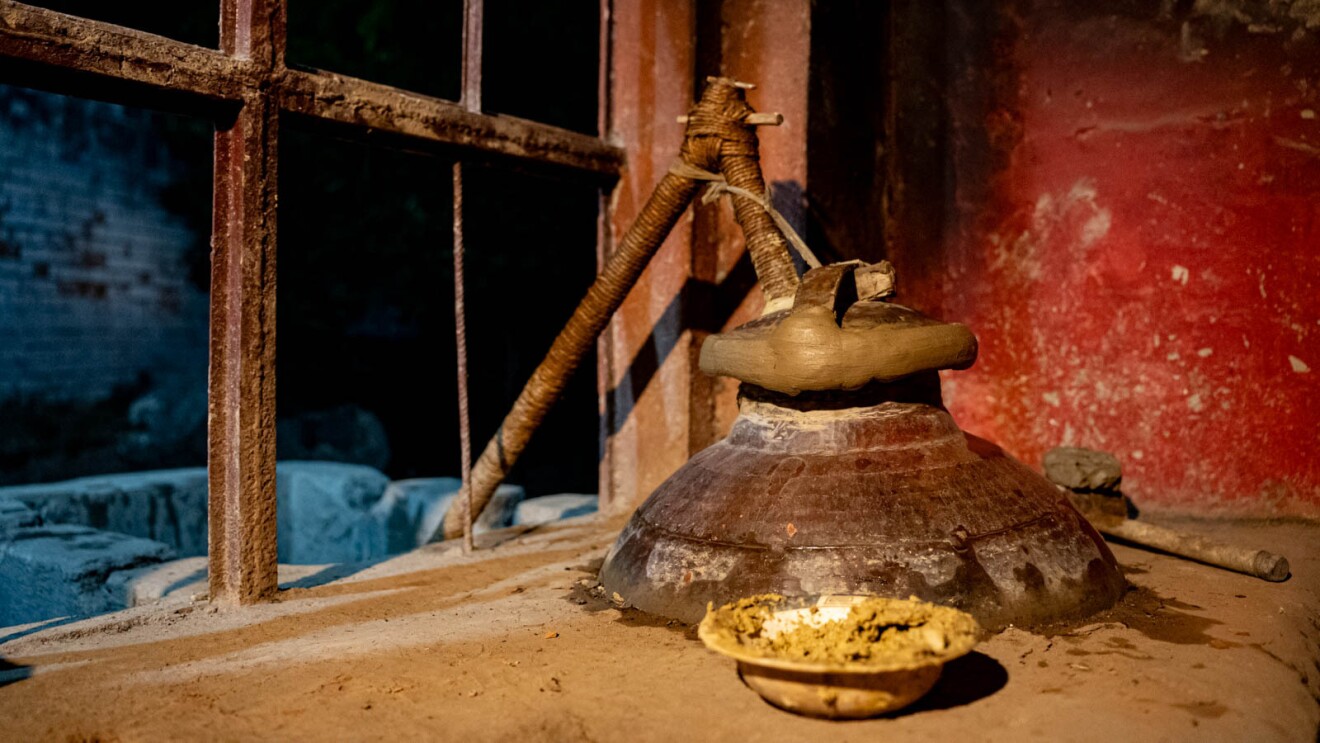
(325,575)
(331,573)
(12,673)
(968,679)
(965,680)
(32,628)
(195,576)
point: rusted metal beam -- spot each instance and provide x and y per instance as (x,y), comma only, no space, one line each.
(241,439)
(62,43)
(470,99)
(55,40)
(474,13)
(255,30)
(373,106)
(604,248)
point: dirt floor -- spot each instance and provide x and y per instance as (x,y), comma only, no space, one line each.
(511,644)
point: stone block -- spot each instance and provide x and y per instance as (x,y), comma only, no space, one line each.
(548,508)
(1083,469)
(326,512)
(163,505)
(61,569)
(150,583)
(412,509)
(14,515)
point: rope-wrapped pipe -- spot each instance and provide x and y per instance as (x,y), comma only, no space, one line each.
(716,138)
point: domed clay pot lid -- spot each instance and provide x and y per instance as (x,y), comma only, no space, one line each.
(838,335)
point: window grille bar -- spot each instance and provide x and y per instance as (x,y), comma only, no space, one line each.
(51,50)
(245,86)
(242,533)
(473,11)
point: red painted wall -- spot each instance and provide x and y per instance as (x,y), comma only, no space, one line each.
(1133,231)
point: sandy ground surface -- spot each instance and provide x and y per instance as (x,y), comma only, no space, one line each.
(509,645)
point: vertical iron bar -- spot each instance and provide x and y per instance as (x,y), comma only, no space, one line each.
(473,11)
(242,557)
(605,343)
(473,17)
(460,339)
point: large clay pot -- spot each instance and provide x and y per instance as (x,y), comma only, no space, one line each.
(872,491)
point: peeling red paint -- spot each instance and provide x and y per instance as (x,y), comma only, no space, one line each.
(1129,199)
(1141,260)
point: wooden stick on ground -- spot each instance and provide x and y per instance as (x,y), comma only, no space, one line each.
(1092,479)
(1259,563)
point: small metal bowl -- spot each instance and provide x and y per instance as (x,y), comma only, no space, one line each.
(835,689)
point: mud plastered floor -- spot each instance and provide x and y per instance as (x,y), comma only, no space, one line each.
(511,644)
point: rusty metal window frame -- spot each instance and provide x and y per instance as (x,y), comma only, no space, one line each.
(246,88)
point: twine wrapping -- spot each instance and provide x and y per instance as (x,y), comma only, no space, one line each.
(720,186)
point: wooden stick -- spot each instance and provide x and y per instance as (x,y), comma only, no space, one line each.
(1259,563)
(1091,478)
(752,119)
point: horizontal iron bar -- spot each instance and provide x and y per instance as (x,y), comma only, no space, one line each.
(37,35)
(44,39)
(383,108)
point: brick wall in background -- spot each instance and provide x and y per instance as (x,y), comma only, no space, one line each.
(94,287)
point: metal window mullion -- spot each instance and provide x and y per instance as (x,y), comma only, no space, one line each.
(473,35)
(470,99)
(243,547)
(605,343)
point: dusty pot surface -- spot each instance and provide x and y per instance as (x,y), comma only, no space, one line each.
(874,492)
